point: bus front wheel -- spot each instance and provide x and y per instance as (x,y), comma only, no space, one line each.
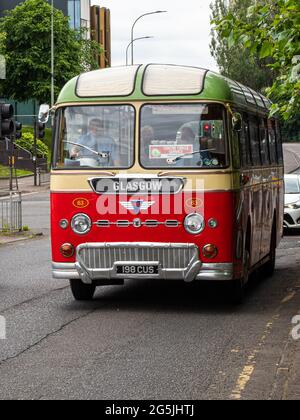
(237,292)
(81,291)
(238,286)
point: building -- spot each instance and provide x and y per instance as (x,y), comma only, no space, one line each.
(77,10)
(100,32)
(11,4)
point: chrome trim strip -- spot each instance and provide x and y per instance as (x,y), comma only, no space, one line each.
(102,223)
(56,172)
(216,272)
(122,223)
(64,271)
(172,223)
(63,266)
(152,223)
(199,171)
(147,223)
(206,272)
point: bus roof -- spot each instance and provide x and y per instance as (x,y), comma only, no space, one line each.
(159,82)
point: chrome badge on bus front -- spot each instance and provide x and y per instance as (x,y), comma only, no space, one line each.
(139,185)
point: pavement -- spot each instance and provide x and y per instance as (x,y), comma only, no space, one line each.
(34,216)
(26,185)
(18,237)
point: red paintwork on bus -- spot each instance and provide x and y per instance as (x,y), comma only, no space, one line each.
(218,205)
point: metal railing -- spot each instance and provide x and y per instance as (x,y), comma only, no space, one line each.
(11,213)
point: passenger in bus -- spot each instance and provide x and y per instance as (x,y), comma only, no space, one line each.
(188,137)
(97,140)
(147,136)
(212,151)
(206,151)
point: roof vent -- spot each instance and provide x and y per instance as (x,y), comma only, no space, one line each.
(114,81)
(173,80)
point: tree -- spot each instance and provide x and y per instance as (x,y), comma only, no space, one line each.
(270,30)
(26,45)
(233,61)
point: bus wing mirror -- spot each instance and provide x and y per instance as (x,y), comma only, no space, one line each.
(44,113)
(237,121)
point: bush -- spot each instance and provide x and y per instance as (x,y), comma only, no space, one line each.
(48,136)
(27,142)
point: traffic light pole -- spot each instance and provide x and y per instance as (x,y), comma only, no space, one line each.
(11,148)
(35,153)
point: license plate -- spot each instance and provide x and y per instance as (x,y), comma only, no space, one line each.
(137,269)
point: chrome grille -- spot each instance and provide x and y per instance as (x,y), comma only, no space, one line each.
(147,223)
(170,256)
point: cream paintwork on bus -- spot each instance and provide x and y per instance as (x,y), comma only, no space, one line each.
(228,181)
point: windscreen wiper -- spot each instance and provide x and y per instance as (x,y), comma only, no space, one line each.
(100,154)
(170,161)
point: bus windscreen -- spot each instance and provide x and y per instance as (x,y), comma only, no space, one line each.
(95,137)
(183,135)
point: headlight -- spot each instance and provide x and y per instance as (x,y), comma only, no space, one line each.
(293,206)
(81,224)
(194,223)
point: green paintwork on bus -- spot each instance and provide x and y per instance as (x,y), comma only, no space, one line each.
(216,88)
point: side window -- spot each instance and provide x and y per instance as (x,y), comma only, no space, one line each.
(278,142)
(264,147)
(272,141)
(254,141)
(245,143)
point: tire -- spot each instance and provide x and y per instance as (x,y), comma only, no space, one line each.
(81,291)
(237,290)
(269,267)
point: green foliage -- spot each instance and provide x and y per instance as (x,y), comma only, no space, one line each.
(233,61)
(26,44)
(27,142)
(2,41)
(5,170)
(270,30)
(48,136)
(290,130)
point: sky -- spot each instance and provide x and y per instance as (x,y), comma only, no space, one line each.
(181,36)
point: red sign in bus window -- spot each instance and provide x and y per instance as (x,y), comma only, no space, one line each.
(169,151)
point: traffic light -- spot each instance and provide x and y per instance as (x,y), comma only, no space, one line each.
(207,129)
(41,130)
(18,128)
(6,122)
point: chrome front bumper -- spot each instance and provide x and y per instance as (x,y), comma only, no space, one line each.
(99,261)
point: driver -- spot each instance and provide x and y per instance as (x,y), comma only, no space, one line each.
(96,140)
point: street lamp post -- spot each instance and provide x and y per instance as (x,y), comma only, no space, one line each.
(52,54)
(135,22)
(129,45)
